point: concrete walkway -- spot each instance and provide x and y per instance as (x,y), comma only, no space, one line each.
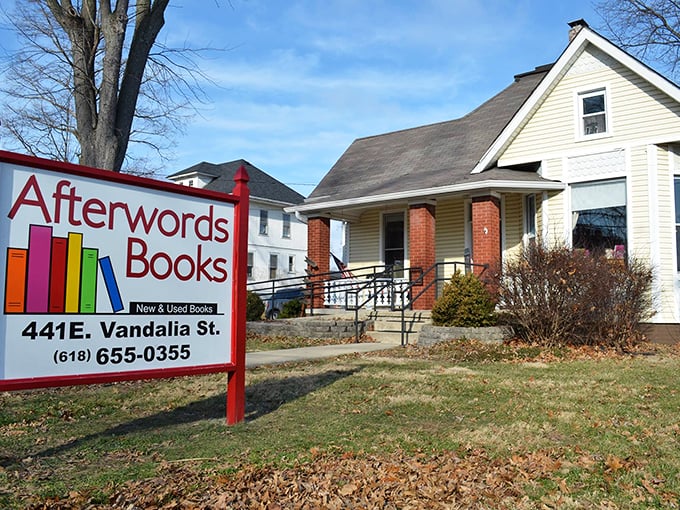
(256,359)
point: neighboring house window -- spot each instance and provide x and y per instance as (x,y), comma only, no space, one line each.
(677,221)
(291,263)
(393,242)
(264,222)
(593,112)
(191,182)
(250,264)
(273,265)
(286,225)
(530,217)
(599,217)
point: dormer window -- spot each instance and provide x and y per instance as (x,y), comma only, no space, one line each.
(593,112)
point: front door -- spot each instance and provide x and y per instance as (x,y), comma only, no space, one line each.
(393,242)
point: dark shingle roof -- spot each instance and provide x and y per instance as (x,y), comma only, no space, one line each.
(428,156)
(262,185)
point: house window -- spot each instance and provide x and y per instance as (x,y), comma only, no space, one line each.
(286,225)
(250,264)
(599,217)
(530,217)
(393,242)
(291,263)
(593,112)
(191,182)
(264,222)
(273,265)
(677,221)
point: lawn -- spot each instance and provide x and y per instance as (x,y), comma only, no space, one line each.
(461,425)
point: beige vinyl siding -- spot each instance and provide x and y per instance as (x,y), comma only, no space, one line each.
(556,233)
(539,216)
(635,110)
(638,225)
(364,240)
(667,311)
(450,228)
(513,226)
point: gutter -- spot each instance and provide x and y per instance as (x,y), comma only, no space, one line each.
(429,192)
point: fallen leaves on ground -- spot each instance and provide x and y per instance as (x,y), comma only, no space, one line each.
(446,480)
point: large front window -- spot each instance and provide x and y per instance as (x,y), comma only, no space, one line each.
(599,217)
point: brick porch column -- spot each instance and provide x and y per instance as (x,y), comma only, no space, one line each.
(421,242)
(319,251)
(486,231)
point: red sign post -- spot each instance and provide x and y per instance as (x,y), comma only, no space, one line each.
(110,277)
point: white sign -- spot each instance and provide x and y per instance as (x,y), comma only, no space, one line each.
(104,277)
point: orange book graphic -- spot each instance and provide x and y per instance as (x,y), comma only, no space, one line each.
(15,278)
(73,254)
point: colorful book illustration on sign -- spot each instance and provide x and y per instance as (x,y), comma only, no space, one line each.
(15,280)
(75,247)
(38,273)
(57,275)
(111,284)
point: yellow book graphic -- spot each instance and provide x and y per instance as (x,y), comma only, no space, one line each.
(74,254)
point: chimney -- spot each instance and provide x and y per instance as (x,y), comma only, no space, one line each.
(576,27)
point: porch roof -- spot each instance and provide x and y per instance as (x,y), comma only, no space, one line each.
(431,160)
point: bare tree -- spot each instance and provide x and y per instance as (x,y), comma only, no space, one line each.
(91,77)
(650,29)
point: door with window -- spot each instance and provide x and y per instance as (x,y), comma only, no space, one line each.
(393,242)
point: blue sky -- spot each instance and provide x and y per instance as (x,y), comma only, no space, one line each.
(303,78)
(299,80)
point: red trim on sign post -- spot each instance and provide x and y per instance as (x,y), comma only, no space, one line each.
(236,382)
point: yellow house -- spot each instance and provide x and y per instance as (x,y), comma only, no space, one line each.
(585,150)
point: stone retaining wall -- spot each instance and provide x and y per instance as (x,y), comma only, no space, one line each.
(430,335)
(307,327)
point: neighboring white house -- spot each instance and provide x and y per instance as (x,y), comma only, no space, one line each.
(277,241)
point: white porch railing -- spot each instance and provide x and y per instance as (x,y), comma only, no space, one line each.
(376,293)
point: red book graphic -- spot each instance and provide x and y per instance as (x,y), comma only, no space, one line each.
(58,275)
(38,272)
(15,280)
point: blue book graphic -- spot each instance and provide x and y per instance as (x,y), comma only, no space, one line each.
(111,284)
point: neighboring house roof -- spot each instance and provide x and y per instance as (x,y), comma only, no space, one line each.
(261,184)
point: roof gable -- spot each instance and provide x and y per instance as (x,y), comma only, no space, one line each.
(576,47)
(427,156)
(261,184)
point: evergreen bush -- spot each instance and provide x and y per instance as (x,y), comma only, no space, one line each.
(465,302)
(254,307)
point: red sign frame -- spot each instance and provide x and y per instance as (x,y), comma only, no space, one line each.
(235,367)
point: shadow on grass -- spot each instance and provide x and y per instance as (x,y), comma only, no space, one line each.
(261,399)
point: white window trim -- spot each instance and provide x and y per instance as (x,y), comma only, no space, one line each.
(265,224)
(283,225)
(578,112)
(528,236)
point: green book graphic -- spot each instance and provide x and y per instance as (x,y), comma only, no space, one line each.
(88,280)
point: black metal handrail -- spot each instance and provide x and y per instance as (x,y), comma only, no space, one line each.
(417,282)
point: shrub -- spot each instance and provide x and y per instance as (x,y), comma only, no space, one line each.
(556,296)
(254,307)
(464,302)
(291,309)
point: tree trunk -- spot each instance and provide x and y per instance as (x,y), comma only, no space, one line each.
(104,116)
